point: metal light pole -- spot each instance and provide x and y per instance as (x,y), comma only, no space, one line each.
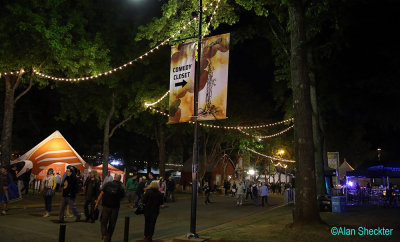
(195,162)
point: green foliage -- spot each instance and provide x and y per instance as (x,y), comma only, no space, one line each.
(50,36)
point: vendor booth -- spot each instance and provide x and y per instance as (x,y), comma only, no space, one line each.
(374,183)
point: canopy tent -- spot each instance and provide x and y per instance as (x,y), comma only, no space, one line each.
(343,168)
(53,151)
(112,170)
(377,169)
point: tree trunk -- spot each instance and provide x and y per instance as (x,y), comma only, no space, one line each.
(162,150)
(106,148)
(317,134)
(306,202)
(6,135)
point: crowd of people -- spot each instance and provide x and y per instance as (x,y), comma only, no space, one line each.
(257,191)
(150,191)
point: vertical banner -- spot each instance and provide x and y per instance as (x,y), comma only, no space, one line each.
(181,86)
(333,160)
(213,85)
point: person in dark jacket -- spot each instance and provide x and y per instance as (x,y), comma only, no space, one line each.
(152,199)
(140,189)
(170,189)
(92,191)
(111,195)
(68,196)
(207,191)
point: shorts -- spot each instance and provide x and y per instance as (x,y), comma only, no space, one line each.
(3,198)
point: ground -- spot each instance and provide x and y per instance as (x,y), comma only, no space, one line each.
(220,221)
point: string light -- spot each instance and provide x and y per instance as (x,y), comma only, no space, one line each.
(270,157)
(212,16)
(279,164)
(267,136)
(159,100)
(223,127)
(11,73)
(37,72)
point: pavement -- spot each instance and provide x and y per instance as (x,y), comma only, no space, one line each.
(24,221)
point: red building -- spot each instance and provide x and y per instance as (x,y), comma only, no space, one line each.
(218,171)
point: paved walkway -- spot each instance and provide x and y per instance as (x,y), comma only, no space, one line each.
(173,221)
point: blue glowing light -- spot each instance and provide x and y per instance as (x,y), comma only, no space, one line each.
(350,183)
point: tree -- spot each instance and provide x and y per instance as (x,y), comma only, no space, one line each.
(48,36)
(306,207)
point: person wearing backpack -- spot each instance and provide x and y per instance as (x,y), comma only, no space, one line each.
(111,195)
(131,187)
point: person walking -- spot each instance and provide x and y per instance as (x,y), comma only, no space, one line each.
(264,194)
(152,199)
(207,191)
(111,195)
(108,178)
(254,191)
(48,186)
(91,189)
(240,193)
(248,191)
(58,182)
(140,189)
(170,189)
(131,188)
(4,181)
(68,196)
(227,186)
(163,188)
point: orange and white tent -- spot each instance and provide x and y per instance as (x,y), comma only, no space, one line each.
(110,168)
(53,152)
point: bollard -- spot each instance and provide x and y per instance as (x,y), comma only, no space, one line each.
(61,237)
(126,230)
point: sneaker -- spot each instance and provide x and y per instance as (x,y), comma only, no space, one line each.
(69,216)
(46,215)
(3,213)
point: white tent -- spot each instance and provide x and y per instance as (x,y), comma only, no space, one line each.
(343,168)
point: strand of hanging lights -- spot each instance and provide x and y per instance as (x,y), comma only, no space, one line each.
(121,67)
(212,16)
(267,136)
(270,157)
(279,164)
(224,127)
(10,73)
(240,128)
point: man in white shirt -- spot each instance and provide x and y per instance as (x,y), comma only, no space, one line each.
(108,178)
(264,194)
